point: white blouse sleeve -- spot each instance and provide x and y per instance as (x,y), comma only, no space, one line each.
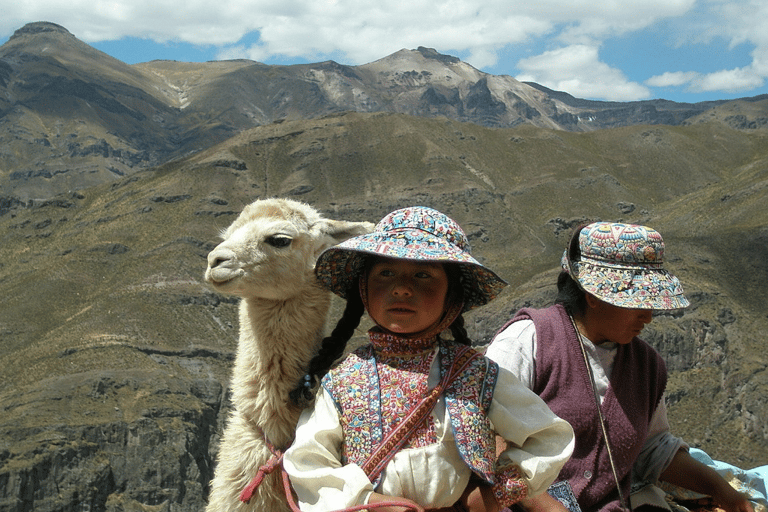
(538,442)
(313,462)
(514,348)
(659,449)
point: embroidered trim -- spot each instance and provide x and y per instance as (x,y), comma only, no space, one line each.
(468,399)
(388,344)
(355,392)
(510,486)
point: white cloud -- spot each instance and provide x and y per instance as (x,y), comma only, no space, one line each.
(745,22)
(760,60)
(672,79)
(732,80)
(741,20)
(566,34)
(106,20)
(363,31)
(589,20)
(737,22)
(727,81)
(577,69)
(364,35)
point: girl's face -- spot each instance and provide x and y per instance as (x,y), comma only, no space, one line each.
(406,296)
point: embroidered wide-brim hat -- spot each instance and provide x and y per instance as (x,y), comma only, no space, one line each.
(416,233)
(622,264)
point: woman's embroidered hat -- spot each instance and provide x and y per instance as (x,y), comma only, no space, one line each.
(621,264)
(416,233)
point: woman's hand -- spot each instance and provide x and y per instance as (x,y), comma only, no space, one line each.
(479,498)
(687,472)
(408,505)
(542,503)
(732,500)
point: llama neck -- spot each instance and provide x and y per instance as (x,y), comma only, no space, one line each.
(277,340)
(277,328)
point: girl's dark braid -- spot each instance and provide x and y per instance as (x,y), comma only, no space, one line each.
(331,348)
(456,294)
(459,332)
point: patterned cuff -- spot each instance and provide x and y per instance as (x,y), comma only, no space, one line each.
(510,487)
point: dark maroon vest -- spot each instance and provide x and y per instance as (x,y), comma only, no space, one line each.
(637,384)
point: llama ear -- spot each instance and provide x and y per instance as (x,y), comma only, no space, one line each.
(331,232)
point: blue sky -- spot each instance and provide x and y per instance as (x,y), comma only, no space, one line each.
(680,50)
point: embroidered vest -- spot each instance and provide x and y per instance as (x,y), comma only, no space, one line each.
(354,387)
(637,382)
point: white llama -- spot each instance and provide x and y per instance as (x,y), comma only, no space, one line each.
(267,258)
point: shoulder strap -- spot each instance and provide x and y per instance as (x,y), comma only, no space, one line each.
(392,443)
(622,500)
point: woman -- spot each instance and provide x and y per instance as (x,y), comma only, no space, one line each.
(612,280)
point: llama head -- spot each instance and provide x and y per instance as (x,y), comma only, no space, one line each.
(270,250)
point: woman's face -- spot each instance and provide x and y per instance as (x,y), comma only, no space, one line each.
(406,296)
(611,323)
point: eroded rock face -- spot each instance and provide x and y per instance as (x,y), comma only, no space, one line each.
(155,451)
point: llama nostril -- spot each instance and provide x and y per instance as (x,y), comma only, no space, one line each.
(220,256)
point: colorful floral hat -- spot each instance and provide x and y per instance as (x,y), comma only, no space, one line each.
(621,264)
(416,233)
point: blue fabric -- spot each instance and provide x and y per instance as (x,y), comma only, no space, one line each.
(563,493)
(751,482)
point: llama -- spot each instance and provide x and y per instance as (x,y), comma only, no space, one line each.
(267,259)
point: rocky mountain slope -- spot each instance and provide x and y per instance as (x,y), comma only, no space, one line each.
(116,356)
(117,179)
(73,117)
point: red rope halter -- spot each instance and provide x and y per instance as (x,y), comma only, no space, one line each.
(276,461)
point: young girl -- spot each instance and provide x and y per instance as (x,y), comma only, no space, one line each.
(371,435)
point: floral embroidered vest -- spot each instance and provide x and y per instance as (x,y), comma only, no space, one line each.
(368,383)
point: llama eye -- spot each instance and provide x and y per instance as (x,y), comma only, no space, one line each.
(279,241)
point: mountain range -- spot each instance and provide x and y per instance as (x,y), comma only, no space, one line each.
(116,180)
(73,117)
